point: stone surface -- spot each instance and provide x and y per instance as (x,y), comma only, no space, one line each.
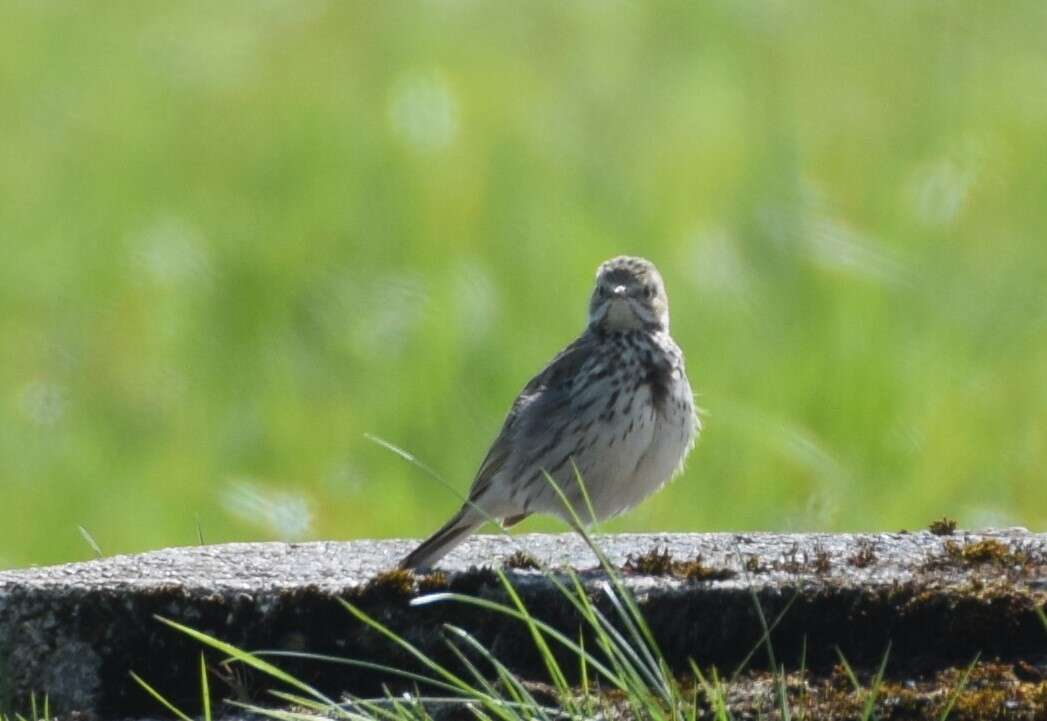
(74,632)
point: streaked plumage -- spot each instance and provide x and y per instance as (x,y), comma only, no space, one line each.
(615,404)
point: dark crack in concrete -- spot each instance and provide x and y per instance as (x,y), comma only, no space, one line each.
(74,632)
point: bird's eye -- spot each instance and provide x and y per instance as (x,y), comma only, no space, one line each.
(601,291)
(648,291)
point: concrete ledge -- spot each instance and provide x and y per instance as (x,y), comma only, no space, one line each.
(74,632)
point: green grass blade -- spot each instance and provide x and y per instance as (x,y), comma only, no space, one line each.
(606,635)
(287,715)
(552,666)
(620,654)
(622,677)
(297,700)
(765,629)
(628,661)
(765,634)
(586,691)
(159,697)
(783,697)
(439,670)
(374,711)
(368,665)
(205,691)
(495,701)
(514,613)
(621,597)
(248,659)
(947,709)
(855,684)
(645,637)
(428,470)
(803,676)
(585,494)
(647,665)
(514,686)
(874,690)
(90,540)
(714,692)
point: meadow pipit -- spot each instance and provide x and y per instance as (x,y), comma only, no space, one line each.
(614,407)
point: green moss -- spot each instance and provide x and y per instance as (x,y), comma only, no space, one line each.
(661,563)
(653,563)
(522,561)
(995,692)
(991,692)
(396,583)
(989,552)
(432,582)
(944,526)
(695,570)
(794,561)
(754,565)
(863,556)
(822,562)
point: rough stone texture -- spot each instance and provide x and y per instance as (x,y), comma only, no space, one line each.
(74,632)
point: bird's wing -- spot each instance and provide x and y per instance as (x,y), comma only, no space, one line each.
(563,366)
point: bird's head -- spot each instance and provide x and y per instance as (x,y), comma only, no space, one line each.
(629,295)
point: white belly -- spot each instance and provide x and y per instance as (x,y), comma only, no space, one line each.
(634,455)
(673,433)
(611,470)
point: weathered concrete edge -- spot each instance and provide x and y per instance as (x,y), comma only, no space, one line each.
(76,641)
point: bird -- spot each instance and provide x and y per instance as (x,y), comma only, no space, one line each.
(613,408)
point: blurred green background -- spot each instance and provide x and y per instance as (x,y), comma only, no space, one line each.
(238,236)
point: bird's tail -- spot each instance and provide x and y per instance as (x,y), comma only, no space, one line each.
(440,543)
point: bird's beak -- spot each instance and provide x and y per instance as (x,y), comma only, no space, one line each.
(619,291)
